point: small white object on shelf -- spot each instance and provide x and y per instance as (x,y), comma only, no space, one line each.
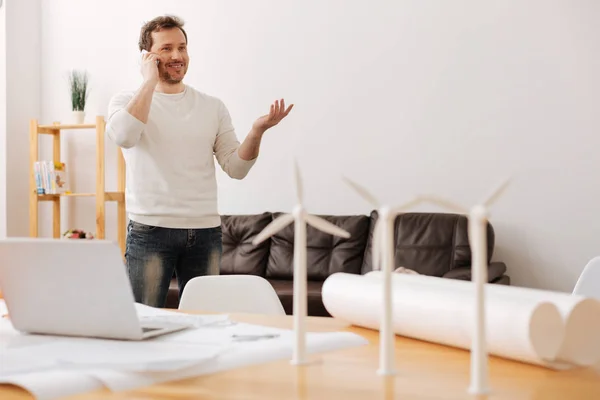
(300,217)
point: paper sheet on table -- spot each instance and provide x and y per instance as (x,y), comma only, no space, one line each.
(58,383)
(525,331)
(55,384)
(25,353)
(581,315)
(47,384)
(257,345)
(82,354)
(240,345)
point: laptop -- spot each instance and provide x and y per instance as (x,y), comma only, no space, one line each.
(72,287)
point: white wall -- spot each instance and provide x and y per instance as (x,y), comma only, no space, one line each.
(23,89)
(445,97)
(19,102)
(3,152)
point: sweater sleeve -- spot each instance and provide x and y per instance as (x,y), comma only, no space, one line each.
(123,128)
(227,145)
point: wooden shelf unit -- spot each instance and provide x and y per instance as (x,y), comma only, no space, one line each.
(101,195)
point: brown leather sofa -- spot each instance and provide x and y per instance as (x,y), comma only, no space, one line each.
(430,243)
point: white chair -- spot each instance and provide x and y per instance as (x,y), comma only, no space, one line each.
(588,283)
(231,294)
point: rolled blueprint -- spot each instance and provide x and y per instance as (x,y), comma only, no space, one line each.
(581,315)
(527,331)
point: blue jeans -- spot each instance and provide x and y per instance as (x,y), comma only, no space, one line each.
(153,254)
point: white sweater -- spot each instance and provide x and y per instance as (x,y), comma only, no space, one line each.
(170,167)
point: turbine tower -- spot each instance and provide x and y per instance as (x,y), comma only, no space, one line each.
(300,217)
(478,220)
(383,251)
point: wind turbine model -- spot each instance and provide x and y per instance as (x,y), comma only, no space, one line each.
(300,217)
(383,249)
(478,219)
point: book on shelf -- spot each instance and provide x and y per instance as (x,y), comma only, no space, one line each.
(51,177)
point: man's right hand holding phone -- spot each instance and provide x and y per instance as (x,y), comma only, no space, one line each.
(149,67)
(139,105)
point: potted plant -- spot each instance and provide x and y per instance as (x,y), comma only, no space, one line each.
(79,92)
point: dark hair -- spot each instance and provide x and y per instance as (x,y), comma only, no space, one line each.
(158,24)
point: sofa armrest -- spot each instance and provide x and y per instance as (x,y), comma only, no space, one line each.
(495,270)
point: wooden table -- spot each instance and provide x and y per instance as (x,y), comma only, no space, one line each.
(425,371)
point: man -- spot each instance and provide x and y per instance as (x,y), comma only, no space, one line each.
(169,133)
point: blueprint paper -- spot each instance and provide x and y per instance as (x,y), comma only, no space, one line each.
(53,367)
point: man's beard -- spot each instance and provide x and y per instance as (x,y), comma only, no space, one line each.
(170,79)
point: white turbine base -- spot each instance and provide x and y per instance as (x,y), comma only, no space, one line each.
(300,362)
(306,361)
(477,390)
(387,372)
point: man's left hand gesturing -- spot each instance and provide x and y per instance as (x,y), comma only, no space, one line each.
(276,114)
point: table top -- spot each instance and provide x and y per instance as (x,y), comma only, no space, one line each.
(425,371)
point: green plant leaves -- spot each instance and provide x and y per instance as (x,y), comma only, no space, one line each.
(78,81)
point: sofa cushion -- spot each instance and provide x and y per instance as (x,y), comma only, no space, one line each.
(462,249)
(503,280)
(326,254)
(172,295)
(494,271)
(240,256)
(429,243)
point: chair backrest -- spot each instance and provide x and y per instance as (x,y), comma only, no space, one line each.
(231,294)
(588,283)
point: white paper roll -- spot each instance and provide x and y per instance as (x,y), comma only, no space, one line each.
(531,332)
(581,315)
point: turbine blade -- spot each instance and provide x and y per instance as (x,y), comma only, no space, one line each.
(405,206)
(326,226)
(442,202)
(298,181)
(362,191)
(495,195)
(274,226)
